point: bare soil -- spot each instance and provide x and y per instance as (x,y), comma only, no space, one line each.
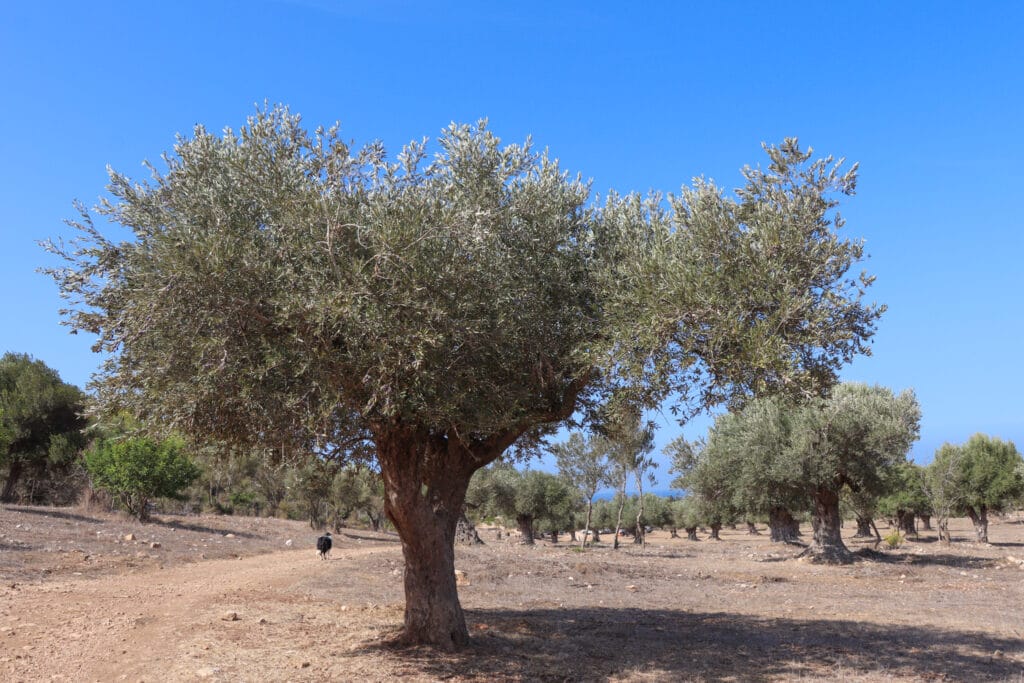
(226,599)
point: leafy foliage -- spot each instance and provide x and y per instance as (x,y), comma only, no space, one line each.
(905,491)
(282,289)
(331,288)
(41,421)
(529,497)
(137,469)
(773,454)
(989,473)
(982,475)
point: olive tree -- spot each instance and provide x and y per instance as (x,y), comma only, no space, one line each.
(41,421)
(903,496)
(745,465)
(584,463)
(529,497)
(709,479)
(357,489)
(632,441)
(281,286)
(685,514)
(984,475)
(136,469)
(773,457)
(850,441)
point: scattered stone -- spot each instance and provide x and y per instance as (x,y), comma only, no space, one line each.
(262,621)
(229,616)
(229,535)
(206,672)
(288,543)
(461,578)
(155,544)
(304,665)
(632,588)
(129,537)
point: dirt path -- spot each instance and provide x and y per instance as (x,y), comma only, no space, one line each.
(95,598)
(167,624)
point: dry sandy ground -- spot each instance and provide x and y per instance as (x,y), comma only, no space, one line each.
(78,602)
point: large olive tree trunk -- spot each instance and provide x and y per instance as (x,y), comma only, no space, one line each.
(828,545)
(863,527)
(905,522)
(425,482)
(784,528)
(465,532)
(525,524)
(13,476)
(979,518)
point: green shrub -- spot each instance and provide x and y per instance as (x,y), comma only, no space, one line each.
(136,470)
(894,539)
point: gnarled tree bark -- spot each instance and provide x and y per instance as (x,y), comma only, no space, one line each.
(525,524)
(465,532)
(863,528)
(828,545)
(425,480)
(979,518)
(784,528)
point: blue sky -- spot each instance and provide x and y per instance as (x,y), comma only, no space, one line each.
(928,97)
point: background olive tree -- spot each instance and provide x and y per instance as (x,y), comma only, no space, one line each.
(135,470)
(584,463)
(981,476)
(41,431)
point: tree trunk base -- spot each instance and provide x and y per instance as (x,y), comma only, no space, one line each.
(864,528)
(830,554)
(465,532)
(783,526)
(827,546)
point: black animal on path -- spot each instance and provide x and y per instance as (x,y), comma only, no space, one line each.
(323,544)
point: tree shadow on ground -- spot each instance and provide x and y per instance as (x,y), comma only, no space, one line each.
(6,547)
(653,645)
(59,514)
(183,526)
(357,537)
(940,559)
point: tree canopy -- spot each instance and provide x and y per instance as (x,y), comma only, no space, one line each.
(137,469)
(282,287)
(775,456)
(41,419)
(982,475)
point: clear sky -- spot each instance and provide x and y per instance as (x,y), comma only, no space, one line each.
(928,97)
